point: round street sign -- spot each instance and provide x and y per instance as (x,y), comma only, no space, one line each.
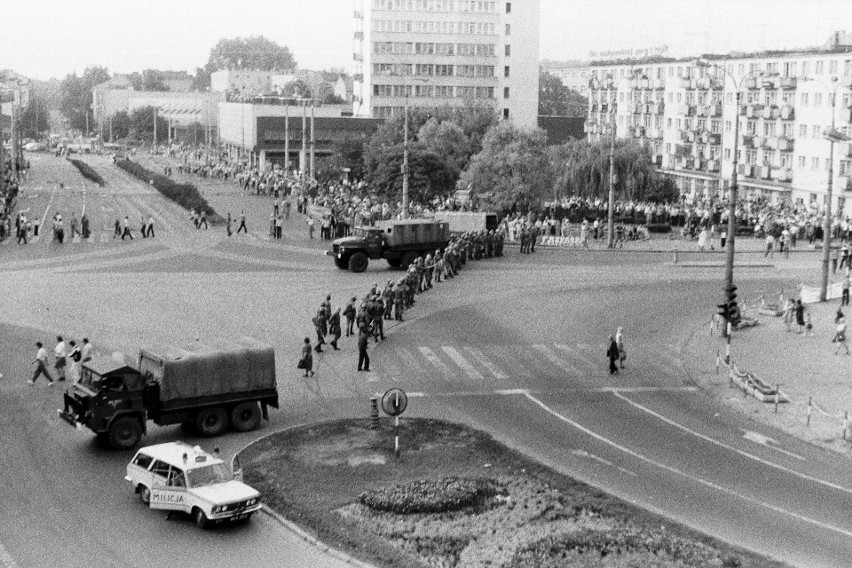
(394,402)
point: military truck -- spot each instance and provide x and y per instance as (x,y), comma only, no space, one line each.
(206,389)
(467,221)
(398,242)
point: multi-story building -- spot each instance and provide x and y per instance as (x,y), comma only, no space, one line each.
(573,74)
(685,111)
(447,52)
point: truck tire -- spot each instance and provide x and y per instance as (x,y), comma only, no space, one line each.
(409,258)
(200,518)
(245,417)
(358,262)
(395,262)
(125,433)
(211,421)
(341,263)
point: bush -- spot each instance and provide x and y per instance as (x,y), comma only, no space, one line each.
(184,194)
(431,495)
(659,228)
(88,172)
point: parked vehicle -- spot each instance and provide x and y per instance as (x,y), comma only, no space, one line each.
(205,389)
(399,242)
(178,477)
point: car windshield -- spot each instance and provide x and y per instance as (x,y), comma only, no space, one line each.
(364,232)
(209,475)
(90,379)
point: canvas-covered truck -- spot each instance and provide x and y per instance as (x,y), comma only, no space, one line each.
(399,242)
(468,221)
(207,389)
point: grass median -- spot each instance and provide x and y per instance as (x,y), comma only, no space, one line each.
(184,194)
(88,172)
(455,497)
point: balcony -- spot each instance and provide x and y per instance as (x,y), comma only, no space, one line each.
(770,142)
(658,84)
(713,165)
(751,83)
(747,140)
(754,111)
(757,142)
(788,112)
(786,144)
(784,175)
(789,82)
(746,170)
(771,82)
(657,160)
(714,138)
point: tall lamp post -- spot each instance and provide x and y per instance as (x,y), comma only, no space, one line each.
(832,135)
(729,306)
(610,239)
(405,169)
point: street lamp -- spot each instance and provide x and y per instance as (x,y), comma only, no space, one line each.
(610,239)
(832,135)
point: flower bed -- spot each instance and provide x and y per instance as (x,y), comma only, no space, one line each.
(184,194)
(430,495)
(88,172)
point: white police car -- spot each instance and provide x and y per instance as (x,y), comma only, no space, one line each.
(178,477)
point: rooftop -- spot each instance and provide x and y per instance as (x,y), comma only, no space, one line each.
(173,452)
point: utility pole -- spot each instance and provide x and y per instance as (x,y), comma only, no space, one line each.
(304,153)
(405,162)
(826,222)
(313,141)
(287,137)
(110,128)
(155,130)
(610,238)
(13,138)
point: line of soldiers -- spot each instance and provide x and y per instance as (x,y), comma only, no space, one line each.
(391,302)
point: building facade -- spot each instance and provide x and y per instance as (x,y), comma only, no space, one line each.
(686,112)
(573,74)
(436,53)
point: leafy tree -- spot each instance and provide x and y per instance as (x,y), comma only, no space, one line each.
(298,89)
(201,80)
(333,99)
(120,125)
(448,140)
(255,52)
(429,175)
(583,169)
(142,125)
(512,172)
(349,153)
(555,99)
(76,95)
(148,80)
(34,119)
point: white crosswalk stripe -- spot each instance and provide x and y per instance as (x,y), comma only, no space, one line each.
(550,356)
(577,354)
(434,360)
(480,358)
(463,363)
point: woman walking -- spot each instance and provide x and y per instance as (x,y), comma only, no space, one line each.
(307,360)
(619,341)
(612,354)
(800,317)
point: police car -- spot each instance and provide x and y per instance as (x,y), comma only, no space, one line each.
(178,477)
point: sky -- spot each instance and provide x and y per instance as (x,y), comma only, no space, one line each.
(52,38)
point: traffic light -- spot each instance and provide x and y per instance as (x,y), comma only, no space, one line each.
(733,309)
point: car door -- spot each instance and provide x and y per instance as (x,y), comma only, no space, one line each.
(168,491)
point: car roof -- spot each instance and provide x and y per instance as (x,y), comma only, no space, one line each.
(173,452)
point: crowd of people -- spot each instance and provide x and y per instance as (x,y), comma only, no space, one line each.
(8,195)
(68,360)
(366,319)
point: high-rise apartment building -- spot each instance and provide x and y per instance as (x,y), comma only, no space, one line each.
(447,52)
(686,112)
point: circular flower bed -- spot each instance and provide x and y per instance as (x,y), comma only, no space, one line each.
(431,495)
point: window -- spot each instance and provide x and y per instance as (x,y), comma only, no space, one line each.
(142,460)
(786,160)
(668,147)
(802,161)
(508,29)
(817,99)
(728,126)
(727,153)
(668,123)
(803,131)
(714,126)
(751,157)
(160,468)
(506,71)
(506,113)
(508,7)
(832,67)
(505,92)
(788,130)
(671,97)
(814,163)
(508,50)
(819,67)
(847,67)
(769,129)
(845,167)
(177,478)
(815,131)
(751,127)
(805,99)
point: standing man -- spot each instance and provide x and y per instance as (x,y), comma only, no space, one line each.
(41,369)
(86,351)
(126,229)
(151,226)
(844,300)
(60,353)
(242,226)
(228,224)
(349,312)
(334,328)
(320,324)
(363,357)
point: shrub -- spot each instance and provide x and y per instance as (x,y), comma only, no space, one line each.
(184,194)
(431,495)
(659,228)
(88,172)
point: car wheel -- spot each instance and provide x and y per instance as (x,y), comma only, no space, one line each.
(200,519)
(144,495)
(358,262)
(211,421)
(245,417)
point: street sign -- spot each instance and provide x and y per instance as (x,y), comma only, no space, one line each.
(394,402)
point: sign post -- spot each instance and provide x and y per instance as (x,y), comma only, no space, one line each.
(394,403)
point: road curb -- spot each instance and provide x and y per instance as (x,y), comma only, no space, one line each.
(711,264)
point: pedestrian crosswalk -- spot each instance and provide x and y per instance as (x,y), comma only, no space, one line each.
(504,365)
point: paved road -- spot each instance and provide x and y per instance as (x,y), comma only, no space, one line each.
(513,346)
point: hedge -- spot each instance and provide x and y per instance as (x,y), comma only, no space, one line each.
(430,495)
(88,172)
(184,194)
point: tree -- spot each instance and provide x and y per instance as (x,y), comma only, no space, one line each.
(298,89)
(583,169)
(76,95)
(255,53)
(148,80)
(201,80)
(34,119)
(555,99)
(142,125)
(429,176)
(120,127)
(448,140)
(512,172)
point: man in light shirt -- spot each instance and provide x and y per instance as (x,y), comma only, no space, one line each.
(41,361)
(86,351)
(60,353)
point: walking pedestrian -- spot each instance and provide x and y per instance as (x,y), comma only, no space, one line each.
(41,362)
(74,357)
(150,226)
(228,224)
(310,223)
(59,353)
(612,355)
(789,313)
(619,341)
(203,219)
(363,357)
(840,336)
(800,316)
(242,226)
(334,328)
(86,351)
(117,228)
(126,229)
(307,360)
(349,312)
(320,324)
(770,245)
(844,300)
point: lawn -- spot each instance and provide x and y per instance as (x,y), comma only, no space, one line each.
(456,497)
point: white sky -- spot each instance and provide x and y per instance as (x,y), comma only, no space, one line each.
(50,38)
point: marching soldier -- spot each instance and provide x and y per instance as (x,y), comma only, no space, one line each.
(320,324)
(399,294)
(334,328)
(377,315)
(349,312)
(387,298)
(362,320)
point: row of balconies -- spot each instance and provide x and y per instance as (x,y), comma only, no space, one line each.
(702,83)
(781,143)
(766,172)
(695,163)
(658,107)
(769,112)
(702,136)
(642,132)
(645,83)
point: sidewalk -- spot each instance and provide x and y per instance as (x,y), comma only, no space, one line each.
(804,366)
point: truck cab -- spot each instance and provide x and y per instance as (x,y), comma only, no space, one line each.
(365,243)
(108,399)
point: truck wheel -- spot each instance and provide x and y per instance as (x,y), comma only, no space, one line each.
(144,495)
(409,258)
(211,421)
(358,262)
(200,518)
(125,433)
(395,262)
(341,263)
(245,417)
